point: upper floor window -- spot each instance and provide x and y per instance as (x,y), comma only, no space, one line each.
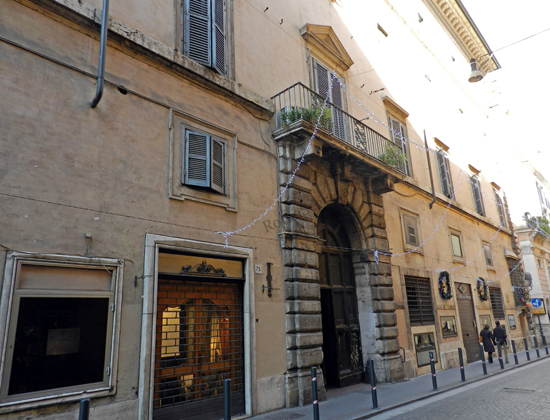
(476,192)
(488,255)
(456,245)
(205,33)
(500,209)
(326,85)
(398,133)
(444,173)
(203,160)
(411,230)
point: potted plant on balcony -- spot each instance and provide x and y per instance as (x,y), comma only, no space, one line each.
(311,115)
(393,156)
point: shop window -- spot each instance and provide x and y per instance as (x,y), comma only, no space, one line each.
(60,332)
(424,345)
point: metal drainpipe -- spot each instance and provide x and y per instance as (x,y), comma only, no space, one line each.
(102,51)
(430,168)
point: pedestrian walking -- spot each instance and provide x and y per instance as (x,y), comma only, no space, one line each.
(499,338)
(485,337)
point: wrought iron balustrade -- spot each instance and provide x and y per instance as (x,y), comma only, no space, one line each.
(298,102)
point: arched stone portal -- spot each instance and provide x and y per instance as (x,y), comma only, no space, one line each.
(319,183)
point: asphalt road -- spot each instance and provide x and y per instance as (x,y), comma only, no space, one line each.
(522,393)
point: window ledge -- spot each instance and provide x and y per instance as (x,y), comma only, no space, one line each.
(85,14)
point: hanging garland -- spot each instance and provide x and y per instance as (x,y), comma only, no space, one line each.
(482,289)
(445,284)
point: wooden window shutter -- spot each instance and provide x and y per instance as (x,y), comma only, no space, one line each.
(321,79)
(198,31)
(197,159)
(396,132)
(476,191)
(218,38)
(445,176)
(218,166)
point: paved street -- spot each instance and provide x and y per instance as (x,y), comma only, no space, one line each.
(517,394)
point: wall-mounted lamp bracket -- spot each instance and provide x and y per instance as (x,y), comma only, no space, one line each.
(268,278)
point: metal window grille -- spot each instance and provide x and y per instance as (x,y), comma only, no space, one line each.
(199,341)
(496,302)
(419,299)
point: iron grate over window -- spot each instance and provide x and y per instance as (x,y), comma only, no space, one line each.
(496,303)
(419,299)
(199,341)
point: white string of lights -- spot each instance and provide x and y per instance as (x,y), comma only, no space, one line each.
(227,234)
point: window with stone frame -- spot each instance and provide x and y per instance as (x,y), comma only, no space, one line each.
(203,162)
(497,306)
(488,256)
(419,301)
(411,230)
(456,245)
(500,209)
(206,33)
(398,131)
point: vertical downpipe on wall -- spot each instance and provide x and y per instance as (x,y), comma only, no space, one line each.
(430,169)
(102,52)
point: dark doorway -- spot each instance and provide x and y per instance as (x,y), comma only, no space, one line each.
(343,359)
(467,321)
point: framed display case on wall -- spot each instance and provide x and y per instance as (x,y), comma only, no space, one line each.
(448,326)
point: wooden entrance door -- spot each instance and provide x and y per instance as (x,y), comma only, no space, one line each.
(467,321)
(343,360)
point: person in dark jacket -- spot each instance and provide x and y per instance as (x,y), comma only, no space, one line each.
(499,337)
(485,337)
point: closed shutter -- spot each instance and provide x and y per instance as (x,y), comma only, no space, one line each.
(218,46)
(445,176)
(196,159)
(321,80)
(476,191)
(419,301)
(217,165)
(198,31)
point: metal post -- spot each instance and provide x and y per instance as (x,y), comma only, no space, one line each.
(84,413)
(526,349)
(482,353)
(432,366)
(514,351)
(545,344)
(227,399)
(536,345)
(499,349)
(373,384)
(315,394)
(461,360)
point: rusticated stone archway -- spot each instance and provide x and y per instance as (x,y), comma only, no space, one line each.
(319,183)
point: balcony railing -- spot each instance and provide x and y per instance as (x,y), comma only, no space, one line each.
(301,103)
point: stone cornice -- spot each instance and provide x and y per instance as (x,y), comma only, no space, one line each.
(394,108)
(323,39)
(456,21)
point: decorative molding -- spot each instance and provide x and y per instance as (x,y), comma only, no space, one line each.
(442,145)
(474,170)
(394,108)
(455,20)
(324,40)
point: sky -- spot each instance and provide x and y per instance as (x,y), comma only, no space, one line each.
(522,88)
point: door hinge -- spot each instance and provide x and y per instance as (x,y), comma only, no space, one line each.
(112,307)
(108,370)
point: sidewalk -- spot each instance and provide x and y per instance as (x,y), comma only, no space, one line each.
(355,402)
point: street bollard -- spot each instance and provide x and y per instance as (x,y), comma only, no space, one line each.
(499,348)
(84,413)
(373,384)
(545,344)
(315,394)
(227,399)
(461,360)
(482,353)
(526,349)
(432,365)
(536,346)
(514,351)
